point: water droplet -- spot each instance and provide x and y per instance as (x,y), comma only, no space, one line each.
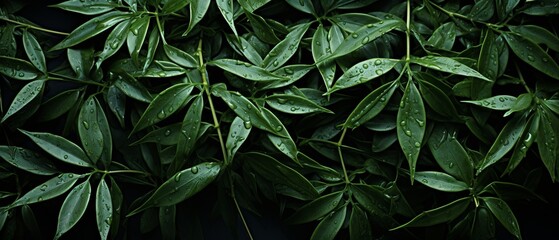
(178,177)
(70,175)
(161,114)
(451,165)
(417,144)
(167,132)
(365,40)
(531,58)
(275,63)
(65,156)
(545,60)
(528,138)
(85,125)
(249,106)
(502,99)
(289,71)
(403,123)
(420,123)
(355,35)
(194,170)
(44,187)
(247,124)
(278,128)
(379,72)
(424,181)
(408,133)
(40,199)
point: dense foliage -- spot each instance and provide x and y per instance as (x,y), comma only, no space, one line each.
(356,119)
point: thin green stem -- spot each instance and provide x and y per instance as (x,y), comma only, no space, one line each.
(408,32)
(34,27)
(125,171)
(239,209)
(341,156)
(522,78)
(160,27)
(64,78)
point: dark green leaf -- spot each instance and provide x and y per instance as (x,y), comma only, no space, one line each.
(57,105)
(189,131)
(504,214)
(483,10)
(548,145)
(18,69)
(371,105)
(243,47)
(167,216)
(238,134)
(449,65)
(437,99)
(153,42)
(181,186)
(525,142)
(164,104)
(443,37)
(449,153)
(179,56)
(359,225)
(89,129)
(30,221)
(8,44)
(532,54)
(320,48)
(294,104)
(103,209)
(136,37)
(488,61)
(197,9)
(132,88)
(352,21)
(91,28)
(411,124)
(292,73)
(381,123)
(498,102)
(541,8)
(538,35)
(30,92)
(87,7)
(280,138)
(440,181)
(173,6)
(305,6)
(316,209)
(262,29)
(523,102)
(116,100)
(285,49)
(81,61)
(330,225)
(442,214)
(114,41)
(60,148)
(27,160)
(252,5)
(226,7)
(34,51)
(246,70)
(363,72)
(167,135)
(73,208)
(52,188)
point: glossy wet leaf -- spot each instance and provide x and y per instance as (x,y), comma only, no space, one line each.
(238,134)
(30,221)
(132,88)
(524,143)
(292,74)
(179,56)
(294,104)
(488,61)
(548,145)
(320,48)
(373,200)
(498,102)
(60,148)
(91,28)
(281,139)
(352,21)
(523,102)
(89,129)
(285,49)
(410,126)
(504,214)
(189,131)
(57,105)
(252,5)
(114,41)
(442,214)
(359,224)
(136,36)
(181,186)
(278,173)
(305,6)
(533,54)
(197,10)
(153,43)
(443,37)
(363,36)
(316,209)
(29,94)
(164,105)
(87,7)
(538,35)
(330,225)
(167,218)
(18,69)
(226,7)
(173,6)
(103,209)
(245,48)
(437,99)
(483,10)
(116,100)
(448,65)
(449,153)
(73,208)
(371,105)
(262,29)
(34,51)
(167,135)
(440,181)
(246,70)
(505,7)
(541,8)
(363,72)
(52,188)
(506,140)
(27,160)
(9,44)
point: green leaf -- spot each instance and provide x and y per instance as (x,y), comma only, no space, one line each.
(132,88)
(89,129)
(449,65)
(153,42)
(443,37)
(87,7)
(189,132)
(238,134)
(352,21)
(81,61)
(60,148)
(488,61)
(321,47)
(442,214)
(114,41)
(294,104)
(548,145)
(450,154)
(305,6)
(164,104)
(363,36)
(246,70)
(179,56)
(30,221)
(285,49)
(8,44)
(31,92)
(372,199)
(523,102)
(532,54)
(538,35)
(73,208)
(504,214)
(56,106)
(411,125)
(278,173)
(252,5)
(116,201)
(506,140)
(363,72)
(116,100)
(483,10)
(91,28)
(292,73)
(359,224)
(34,51)
(371,105)
(330,225)
(526,140)
(505,7)
(541,8)
(440,181)
(245,48)
(261,29)
(437,99)
(226,7)
(167,216)
(498,102)
(173,6)
(136,37)
(197,10)
(280,138)
(181,186)
(18,69)
(52,188)
(103,209)
(316,209)
(381,123)
(27,160)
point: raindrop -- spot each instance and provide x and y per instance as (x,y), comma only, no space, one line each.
(417,144)
(247,124)
(289,71)
(70,175)
(44,187)
(40,199)
(21,74)
(545,59)
(528,138)
(408,133)
(424,180)
(379,71)
(451,165)
(161,114)
(177,177)
(355,35)
(168,132)
(365,66)
(282,100)
(420,123)
(194,170)
(278,128)
(85,125)
(403,123)
(378,62)
(531,58)
(65,157)
(365,40)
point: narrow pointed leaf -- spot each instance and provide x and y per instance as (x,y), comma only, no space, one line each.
(189,132)
(440,181)
(173,6)
(114,41)
(329,227)
(538,35)
(132,88)
(371,105)
(89,129)
(449,65)
(179,56)
(238,134)
(27,160)
(488,60)
(442,214)
(25,97)
(227,11)
(359,224)
(499,102)
(60,148)
(246,70)
(136,36)
(532,54)
(450,154)
(294,104)
(548,143)
(281,139)
(285,49)
(524,143)
(52,188)
(504,214)
(103,209)
(87,7)
(34,51)
(363,72)
(18,69)
(73,208)
(198,9)
(316,209)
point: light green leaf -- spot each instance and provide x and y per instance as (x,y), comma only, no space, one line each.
(293,104)
(34,51)
(352,21)
(173,6)
(52,188)
(27,160)
(87,7)
(280,138)
(449,65)
(73,208)
(330,225)
(103,209)
(442,214)
(243,47)
(316,209)
(238,134)
(18,69)
(31,92)
(411,125)
(136,37)
(532,54)
(363,72)
(440,181)
(285,49)
(114,41)
(504,214)
(371,105)
(197,9)
(246,70)
(226,7)
(523,102)
(60,148)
